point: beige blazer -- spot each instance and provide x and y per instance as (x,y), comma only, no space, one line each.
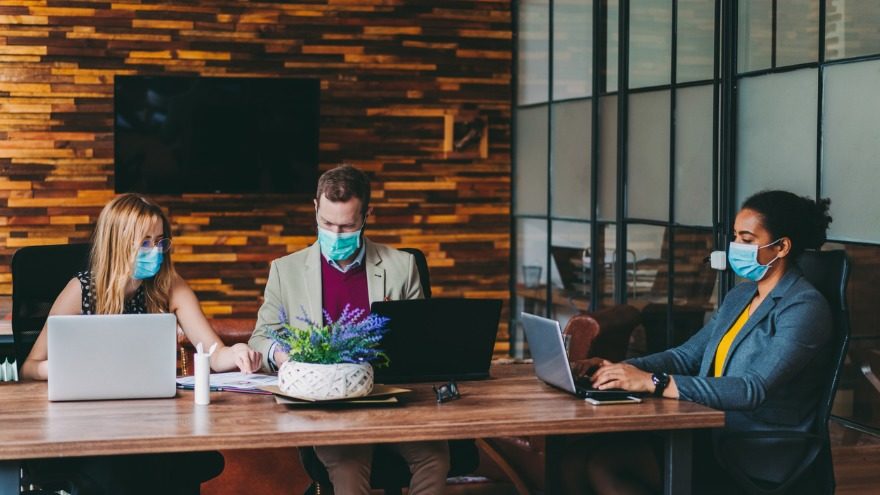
(294,285)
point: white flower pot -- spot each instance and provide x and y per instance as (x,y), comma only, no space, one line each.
(325,381)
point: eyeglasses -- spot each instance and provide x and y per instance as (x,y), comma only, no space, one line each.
(447,391)
(164,244)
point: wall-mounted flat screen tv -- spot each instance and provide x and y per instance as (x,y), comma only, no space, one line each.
(216,134)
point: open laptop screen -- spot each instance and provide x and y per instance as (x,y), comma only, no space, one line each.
(99,357)
(438,339)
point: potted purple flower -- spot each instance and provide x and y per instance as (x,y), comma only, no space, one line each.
(333,360)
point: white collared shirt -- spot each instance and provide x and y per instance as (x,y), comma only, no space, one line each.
(359,260)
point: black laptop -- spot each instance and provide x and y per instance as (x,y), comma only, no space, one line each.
(438,339)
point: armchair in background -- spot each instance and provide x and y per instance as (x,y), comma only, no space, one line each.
(604,333)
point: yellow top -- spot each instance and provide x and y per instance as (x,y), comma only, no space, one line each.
(724,345)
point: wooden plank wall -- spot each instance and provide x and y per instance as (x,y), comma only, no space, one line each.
(389,71)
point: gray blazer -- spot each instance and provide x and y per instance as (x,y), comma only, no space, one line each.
(294,284)
(774,370)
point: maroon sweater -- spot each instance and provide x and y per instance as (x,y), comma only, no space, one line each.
(339,289)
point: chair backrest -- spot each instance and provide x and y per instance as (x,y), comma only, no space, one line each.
(604,333)
(422,266)
(39,273)
(828,271)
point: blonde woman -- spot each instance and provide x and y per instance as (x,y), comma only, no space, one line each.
(131,272)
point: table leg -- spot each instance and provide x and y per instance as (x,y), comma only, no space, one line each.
(679,462)
(9,477)
(553,449)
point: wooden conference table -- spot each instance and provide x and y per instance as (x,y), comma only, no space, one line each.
(512,403)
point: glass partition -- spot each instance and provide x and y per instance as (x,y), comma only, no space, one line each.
(693,155)
(648,161)
(571,143)
(530,180)
(776,133)
(650,42)
(850,149)
(533,76)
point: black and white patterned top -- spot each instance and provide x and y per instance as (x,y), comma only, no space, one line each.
(136,305)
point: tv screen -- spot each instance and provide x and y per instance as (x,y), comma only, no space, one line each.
(216,134)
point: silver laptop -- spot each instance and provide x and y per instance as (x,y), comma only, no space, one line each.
(551,361)
(96,357)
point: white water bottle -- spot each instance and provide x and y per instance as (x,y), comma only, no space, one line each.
(203,378)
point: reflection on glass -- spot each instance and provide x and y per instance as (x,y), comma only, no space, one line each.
(534,45)
(531,245)
(648,160)
(776,133)
(863,290)
(608,243)
(693,156)
(850,149)
(754,35)
(695,57)
(612,46)
(572,49)
(648,280)
(695,282)
(650,42)
(647,252)
(571,158)
(797,32)
(530,178)
(531,255)
(571,269)
(859,397)
(851,28)
(608,158)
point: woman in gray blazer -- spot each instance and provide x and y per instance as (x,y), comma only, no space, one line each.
(761,358)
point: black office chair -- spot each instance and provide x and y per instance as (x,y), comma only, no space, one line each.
(390,471)
(828,271)
(39,273)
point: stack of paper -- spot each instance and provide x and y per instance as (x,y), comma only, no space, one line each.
(232,382)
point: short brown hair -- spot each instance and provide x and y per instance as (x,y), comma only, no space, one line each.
(342,183)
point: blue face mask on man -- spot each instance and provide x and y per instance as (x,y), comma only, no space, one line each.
(147,263)
(743,258)
(339,246)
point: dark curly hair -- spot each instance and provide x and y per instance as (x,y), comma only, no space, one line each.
(800,218)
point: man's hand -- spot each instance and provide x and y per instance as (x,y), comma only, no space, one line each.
(280,357)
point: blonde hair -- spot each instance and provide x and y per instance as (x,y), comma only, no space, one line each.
(122,226)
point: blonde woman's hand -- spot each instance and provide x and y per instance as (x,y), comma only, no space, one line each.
(247,359)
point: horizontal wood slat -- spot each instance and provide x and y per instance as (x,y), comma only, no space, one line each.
(389,71)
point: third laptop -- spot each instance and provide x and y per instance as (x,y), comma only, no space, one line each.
(551,360)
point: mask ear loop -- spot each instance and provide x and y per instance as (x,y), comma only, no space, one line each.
(769,263)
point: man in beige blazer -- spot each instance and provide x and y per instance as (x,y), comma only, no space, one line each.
(345,268)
